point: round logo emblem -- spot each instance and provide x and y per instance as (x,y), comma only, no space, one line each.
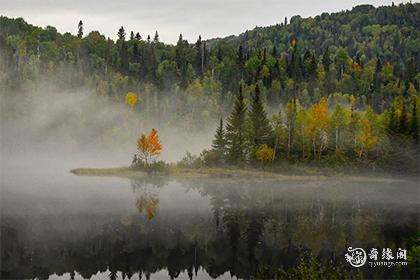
(356,257)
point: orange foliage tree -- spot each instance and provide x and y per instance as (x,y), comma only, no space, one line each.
(149,147)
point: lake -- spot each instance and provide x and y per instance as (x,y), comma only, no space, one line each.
(60,226)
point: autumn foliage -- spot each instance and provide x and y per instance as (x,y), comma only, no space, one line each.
(265,154)
(148,203)
(131,99)
(148,146)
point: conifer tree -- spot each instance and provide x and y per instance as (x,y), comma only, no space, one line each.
(393,120)
(131,35)
(326,60)
(138,36)
(156,38)
(219,143)
(235,131)
(414,121)
(260,126)
(403,119)
(199,56)
(121,33)
(80,29)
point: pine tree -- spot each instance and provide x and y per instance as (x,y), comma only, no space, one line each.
(393,120)
(403,119)
(274,52)
(414,121)
(80,29)
(219,143)
(138,36)
(235,131)
(309,65)
(156,38)
(131,35)
(199,56)
(121,33)
(326,60)
(261,129)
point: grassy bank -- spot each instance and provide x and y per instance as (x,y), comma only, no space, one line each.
(230,172)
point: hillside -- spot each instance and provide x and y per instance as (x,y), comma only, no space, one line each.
(370,53)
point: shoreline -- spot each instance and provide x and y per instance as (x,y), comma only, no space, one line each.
(229,173)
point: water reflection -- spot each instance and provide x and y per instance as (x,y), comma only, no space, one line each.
(147,194)
(252,229)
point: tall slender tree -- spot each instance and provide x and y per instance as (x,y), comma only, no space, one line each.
(235,131)
(414,121)
(156,38)
(80,29)
(219,143)
(403,119)
(326,60)
(261,130)
(121,33)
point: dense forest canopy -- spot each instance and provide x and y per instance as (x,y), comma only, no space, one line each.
(290,84)
(370,52)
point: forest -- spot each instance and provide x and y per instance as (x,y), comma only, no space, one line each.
(335,88)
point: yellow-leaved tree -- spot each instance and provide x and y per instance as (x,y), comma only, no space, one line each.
(148,146)
(366,140)
(319,126)
(264,153)
(131,99)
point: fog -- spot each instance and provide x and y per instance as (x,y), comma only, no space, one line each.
(64,124)
(55,224)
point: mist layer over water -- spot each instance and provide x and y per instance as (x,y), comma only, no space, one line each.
(55,223)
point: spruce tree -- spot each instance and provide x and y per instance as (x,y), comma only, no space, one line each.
(199,56)
(403,119)
(414,121)
(80,29)
(121,33)
(156,38)
(393,120)
(219,143)
(261,130)
(235,131)
(326,60)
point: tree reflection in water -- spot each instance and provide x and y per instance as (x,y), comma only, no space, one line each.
(254,229)
(147,194)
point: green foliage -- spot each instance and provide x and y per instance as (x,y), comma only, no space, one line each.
(190,161)
(235,131)
(368,53)
(156,167)
(219,143)
(361,51)
(261,131)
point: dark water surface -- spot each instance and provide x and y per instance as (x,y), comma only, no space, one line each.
(57,225)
